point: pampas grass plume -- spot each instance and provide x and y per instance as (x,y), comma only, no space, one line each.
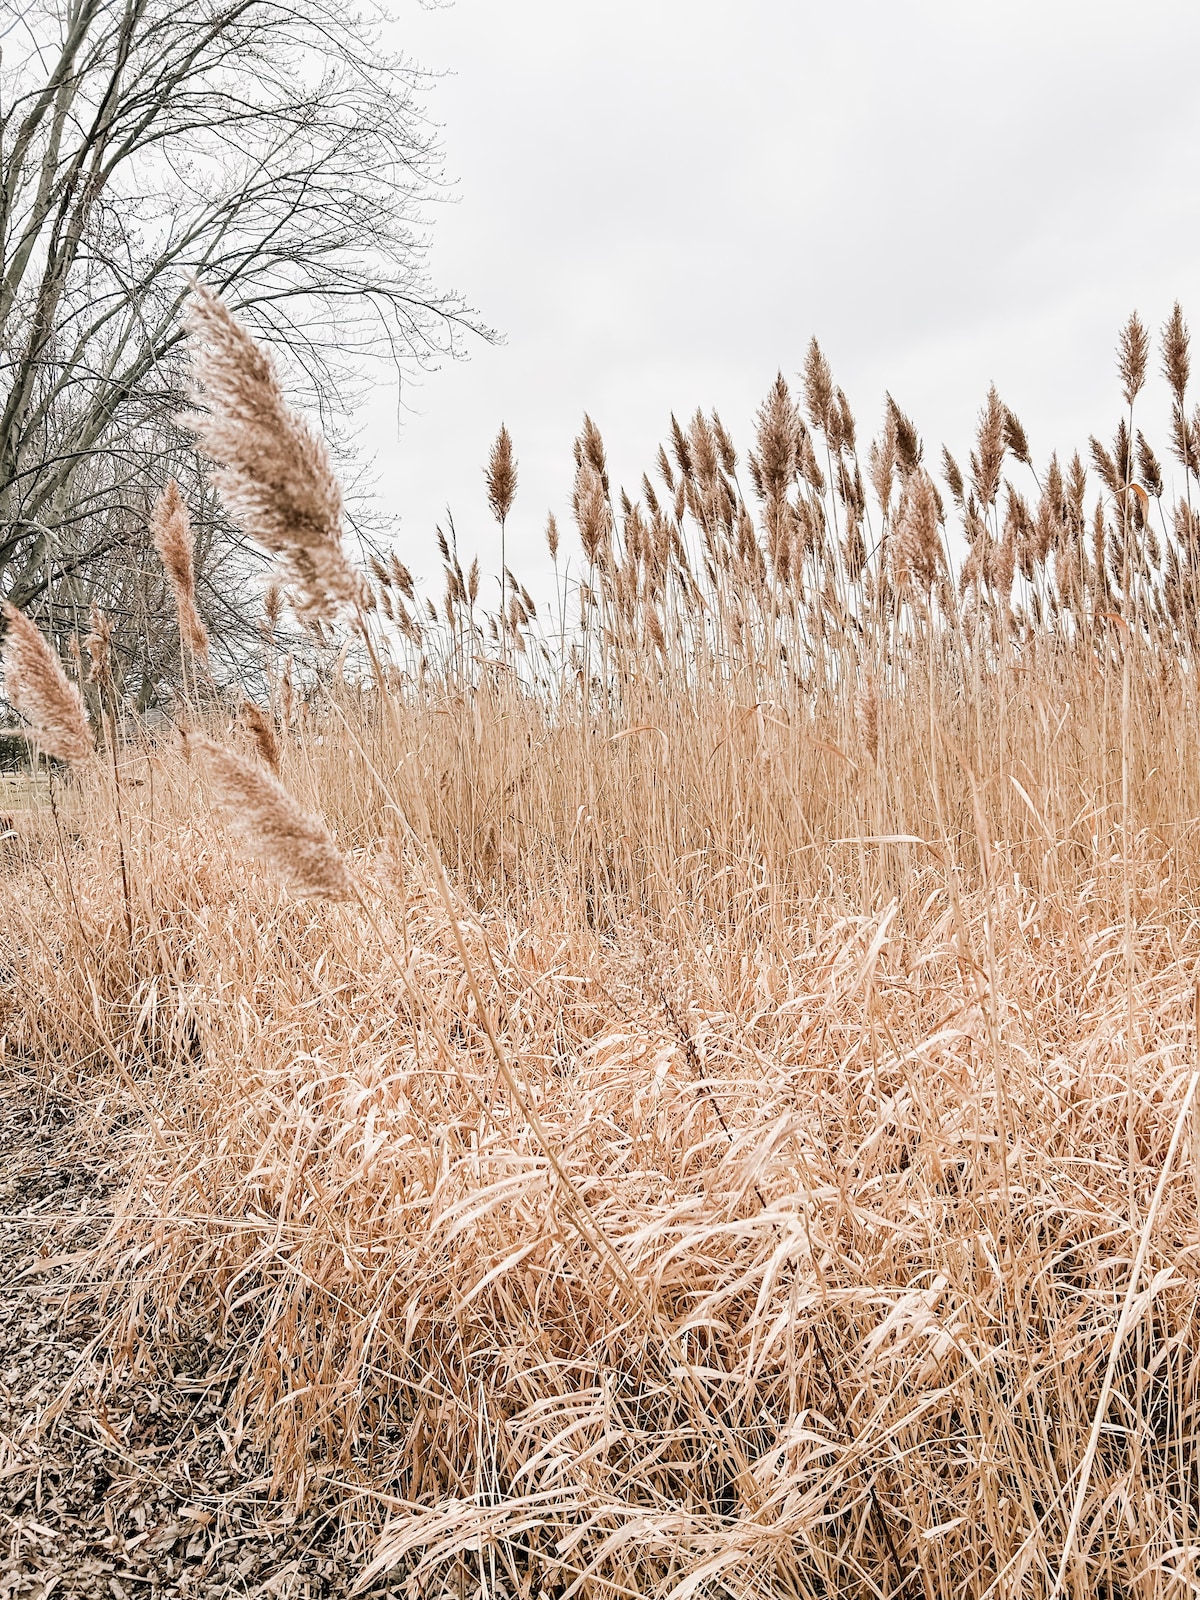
(269,825)
(501,476)
(274,472)
(866,715)
(37,686)
(98,644)
(261,730)
(175,544)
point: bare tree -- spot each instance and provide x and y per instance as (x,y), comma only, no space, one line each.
(274,151)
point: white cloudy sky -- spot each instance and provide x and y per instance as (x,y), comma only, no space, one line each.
(659,201)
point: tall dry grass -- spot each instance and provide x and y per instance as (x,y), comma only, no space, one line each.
(735,1133)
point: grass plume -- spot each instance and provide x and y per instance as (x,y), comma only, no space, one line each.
(269,825)
(174,541)
(273,468)
(37,686)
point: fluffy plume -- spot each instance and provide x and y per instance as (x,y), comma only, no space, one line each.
(175,544)
(909,449)
(501,476)
(262,731)
(952,473)
(98,645)
(987,460)
(274,472)
(592,514)
(1133,350)
(883,460)
(270,826)
(846,423)
(818,386)
(1014,437)
(1177,364)
(866,715)
(401,575)
(917,549)
(37,686)
(273,606)
(774,462)
(854,550)
(1149,467)
(724,446)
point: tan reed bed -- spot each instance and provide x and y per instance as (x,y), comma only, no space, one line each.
(725,1121)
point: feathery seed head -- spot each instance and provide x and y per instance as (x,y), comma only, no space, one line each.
(917,550)
(818,386)
(1133,351)
(273,605)
(37,686)
(882,461)
(909,449)
(592,513)
(846,423)
(1149,469)
(680,446)
(501,476)
(953,475)
(270,826)
(774,463)
(173,539)
(1014,437)
(274,471)
(725,446)
(591,446)
(1177,364)
(866,715)
(262,731)
(98,645)
(987,461)
(401,576)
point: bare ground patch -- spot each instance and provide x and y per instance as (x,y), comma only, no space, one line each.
(137,1494)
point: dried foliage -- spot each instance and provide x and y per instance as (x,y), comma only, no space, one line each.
(746,1141)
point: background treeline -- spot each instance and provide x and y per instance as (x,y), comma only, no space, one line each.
(278,154)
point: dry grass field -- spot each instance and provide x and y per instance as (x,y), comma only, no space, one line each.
(688,1093)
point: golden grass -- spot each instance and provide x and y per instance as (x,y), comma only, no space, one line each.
(742,1139)
(850,1093)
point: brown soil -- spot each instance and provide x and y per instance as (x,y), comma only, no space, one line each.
(131,1491)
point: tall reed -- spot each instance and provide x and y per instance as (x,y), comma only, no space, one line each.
(736,1132)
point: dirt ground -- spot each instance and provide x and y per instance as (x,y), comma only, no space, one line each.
(135,1494)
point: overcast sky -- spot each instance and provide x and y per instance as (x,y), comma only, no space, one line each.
(658,202)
